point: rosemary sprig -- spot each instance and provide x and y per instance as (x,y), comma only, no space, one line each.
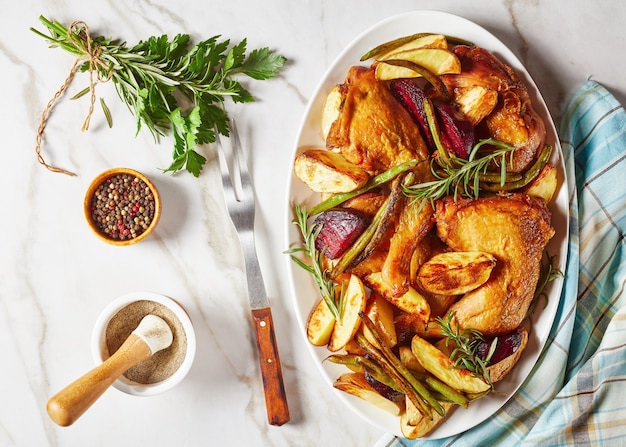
(321,275)
(547,274)
(466,343)
(460,177)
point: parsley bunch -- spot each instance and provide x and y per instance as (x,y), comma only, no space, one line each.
(168,86)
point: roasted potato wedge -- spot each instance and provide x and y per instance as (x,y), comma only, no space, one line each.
(409,360)
(368,202)
(325,171)
(408,325)
(332,107)
(439,304)
(414,425)
(411,416)
(455,273)
(476,102)
(320,324)
(544,185)
(356,384)
(437,60)
(440,366)
(428,247)
(411,302)
(353,347)
(429,41)
(499,370)
(380,311)
(354,301)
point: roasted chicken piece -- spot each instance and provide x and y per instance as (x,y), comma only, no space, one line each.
(513,120)
(373,129)
(515,228)
(413,225)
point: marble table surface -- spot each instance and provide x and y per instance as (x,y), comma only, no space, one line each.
(56,277)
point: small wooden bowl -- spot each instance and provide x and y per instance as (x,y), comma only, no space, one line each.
(89,209)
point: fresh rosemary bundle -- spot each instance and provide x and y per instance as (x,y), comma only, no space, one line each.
(167,85)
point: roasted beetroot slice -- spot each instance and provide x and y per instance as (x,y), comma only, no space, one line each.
(340,228)
(412,97)
(457,134)
(506,346)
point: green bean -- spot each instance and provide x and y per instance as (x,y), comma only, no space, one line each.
(391,45)
(406,387)
(527,177)
(374,182)
(363,364)
(373,234)
(445,390)
(492,177)
(402,370)
(444,154)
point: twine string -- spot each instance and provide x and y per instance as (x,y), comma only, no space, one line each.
(92,54)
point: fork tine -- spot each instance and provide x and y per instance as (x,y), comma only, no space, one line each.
(236,182)
(224,169)
(244,191)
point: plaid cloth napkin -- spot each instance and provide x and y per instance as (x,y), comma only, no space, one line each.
(576,394)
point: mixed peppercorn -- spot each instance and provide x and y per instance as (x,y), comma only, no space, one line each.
(122,207)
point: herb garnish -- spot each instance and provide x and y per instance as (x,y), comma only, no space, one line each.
(321,275)
(547,274)
(166,85)
(466,343)
(460,177)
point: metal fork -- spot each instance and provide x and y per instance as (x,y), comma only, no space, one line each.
(239,197)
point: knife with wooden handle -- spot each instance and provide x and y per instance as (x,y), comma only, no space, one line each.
(269,360)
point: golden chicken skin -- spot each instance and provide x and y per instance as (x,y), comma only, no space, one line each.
(373,130)
(515,228)
(513,120)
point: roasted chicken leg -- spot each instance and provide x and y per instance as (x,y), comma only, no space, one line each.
(515,228)
(513,120)
(373,129)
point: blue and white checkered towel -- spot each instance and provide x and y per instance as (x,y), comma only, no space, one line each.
(576,394)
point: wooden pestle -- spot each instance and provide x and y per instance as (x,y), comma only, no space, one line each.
(151,335)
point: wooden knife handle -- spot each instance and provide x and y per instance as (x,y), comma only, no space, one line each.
(275,397)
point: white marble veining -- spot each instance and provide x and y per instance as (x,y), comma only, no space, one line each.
(56,277)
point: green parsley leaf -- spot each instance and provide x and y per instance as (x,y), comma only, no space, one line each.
(262,64)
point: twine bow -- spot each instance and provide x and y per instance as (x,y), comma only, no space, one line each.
(78,34)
